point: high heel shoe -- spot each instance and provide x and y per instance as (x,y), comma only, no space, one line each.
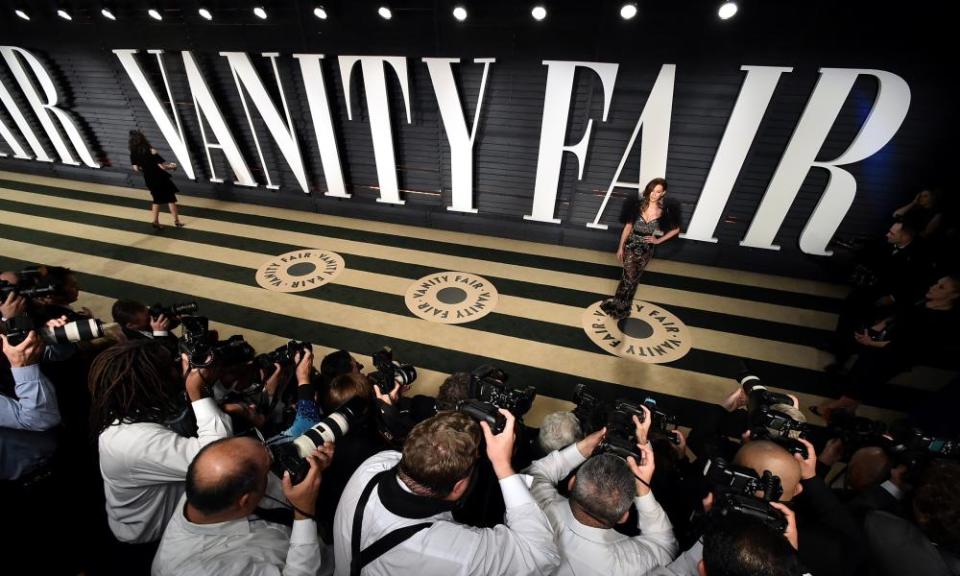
(178,223)
(157,226)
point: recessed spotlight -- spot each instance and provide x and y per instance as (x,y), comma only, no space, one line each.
(62,12)
(385,13)
(320,12)
(22,14)
(108,13)
(628,11)
(727,11)
(155,14)
(538,12)
(460,13)
(259,12)
(205,14)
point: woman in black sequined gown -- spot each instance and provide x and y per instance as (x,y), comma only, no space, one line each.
(647,222)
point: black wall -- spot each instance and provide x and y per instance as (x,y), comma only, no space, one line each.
(708,54)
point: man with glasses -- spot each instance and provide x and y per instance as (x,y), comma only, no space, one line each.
(219,526)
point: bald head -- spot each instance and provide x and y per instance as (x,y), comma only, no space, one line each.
(761,455)
(228,476)
(867,467)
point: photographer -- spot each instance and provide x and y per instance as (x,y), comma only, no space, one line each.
(218,527)
(601,493)
(35,404)
(138,393)
(137,323)
(399,505)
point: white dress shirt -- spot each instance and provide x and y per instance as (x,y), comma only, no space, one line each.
(144,467)
(589,550)
(523,546)
(248,546)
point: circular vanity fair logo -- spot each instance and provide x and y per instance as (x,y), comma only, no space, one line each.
(300,270)
(451,297)
(650,334)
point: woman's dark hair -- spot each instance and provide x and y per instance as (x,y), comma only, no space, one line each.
(648,189)
(139,143)
(635,206)
(133,382)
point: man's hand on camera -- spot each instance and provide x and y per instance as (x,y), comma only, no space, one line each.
(643,470)
(681,446)
(832,452)
(791,532)
(588,445)
(808,465)
(500,446)
(304,366)
(14,305)
(272,382)
(642,428)
(27,353)
(160,324)
(57,322)
(198,381)
(388,399)
(303,496)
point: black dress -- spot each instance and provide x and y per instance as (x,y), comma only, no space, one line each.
(158,180)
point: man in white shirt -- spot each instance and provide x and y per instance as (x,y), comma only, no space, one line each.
(215,529)
(405,525)
(135,390)
(600,498)
(35,406)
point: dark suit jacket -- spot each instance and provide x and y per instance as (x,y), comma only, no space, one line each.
(831,541)
(897,548)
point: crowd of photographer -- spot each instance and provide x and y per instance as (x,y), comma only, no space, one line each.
(198,455)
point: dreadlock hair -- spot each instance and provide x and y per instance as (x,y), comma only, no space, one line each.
(132,382)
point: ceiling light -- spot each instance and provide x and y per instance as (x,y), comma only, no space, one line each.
(727,11)
(259,12)
(628,11)
(62,12)
(155,14)
(205,14)
(385,13)
(320,13)
(538,12)
(108,13)
(460,13)
(22,14)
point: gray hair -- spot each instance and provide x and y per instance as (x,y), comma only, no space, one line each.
(559,430)
(604,488)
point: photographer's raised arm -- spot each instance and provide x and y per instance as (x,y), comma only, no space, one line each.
(548,471)
(35,407)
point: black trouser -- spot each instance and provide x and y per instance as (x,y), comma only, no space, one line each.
(874,367)
(859,310)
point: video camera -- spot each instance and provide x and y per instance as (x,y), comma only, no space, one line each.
(390,372)
(17,329)
(735,490)
(489,384)
(203,348)
(483,412)
(291,456)
(765,421)
(285,355)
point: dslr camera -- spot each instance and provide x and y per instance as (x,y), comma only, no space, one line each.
(203,348)
(390,372)
(735,490)
(285,355)
(30,284)
(291,456)
(483,412)
(19,327)
(768,423)
(489,384)
(173,312)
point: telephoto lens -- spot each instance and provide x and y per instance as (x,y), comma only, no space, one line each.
(79,331)
(290,457)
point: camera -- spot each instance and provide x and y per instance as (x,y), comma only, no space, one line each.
(390,372)
(291,456)
(483,412)
(489,384)
(17,329)
(735,491)
(285,355)
(204,349)
(25,289)
(174,310)
(768,423)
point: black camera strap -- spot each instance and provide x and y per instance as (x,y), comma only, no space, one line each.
(360,558)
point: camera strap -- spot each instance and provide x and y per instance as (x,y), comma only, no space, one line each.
(360,558)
